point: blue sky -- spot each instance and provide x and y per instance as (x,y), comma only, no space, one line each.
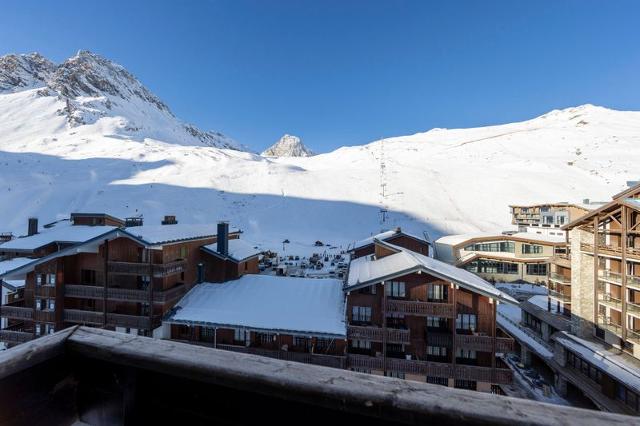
(347,72)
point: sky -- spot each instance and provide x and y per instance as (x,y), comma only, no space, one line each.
(348,72)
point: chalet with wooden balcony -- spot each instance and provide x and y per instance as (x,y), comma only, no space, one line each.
(228,259)
(605,272)
(296,319)
(394,236)
(124,279)
(415,317)
(502,257)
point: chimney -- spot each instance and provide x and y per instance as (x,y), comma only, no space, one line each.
(223,238)
(169,220)
(33,226)
(585,201)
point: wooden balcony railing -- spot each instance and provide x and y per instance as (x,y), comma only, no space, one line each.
(123,294)
(48,291)
(113,319)
(560,296)
(433,369)
(374,334)
(607,275)
(16,312)
(484,343)
(307,358)
(12,336)
(421,308)
(139,268)
(44,316)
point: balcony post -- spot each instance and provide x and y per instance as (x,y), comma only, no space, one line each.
(595,269)
(106,283)
(453,340)
(623,297)
(384,329)
(493,341)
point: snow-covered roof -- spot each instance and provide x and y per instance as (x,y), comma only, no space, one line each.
(262,302)
(383,236)
(61,232)
(238,249)
(455,240)
(616,364)
(11,264)
(365,271)
(508,319)
(158,234)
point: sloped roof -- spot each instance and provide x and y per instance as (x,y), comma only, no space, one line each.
(60,233)
(159,234)
(264,302)
(239,250)
(365,271)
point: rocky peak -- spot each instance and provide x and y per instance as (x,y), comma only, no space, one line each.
(288,146)
(21,72)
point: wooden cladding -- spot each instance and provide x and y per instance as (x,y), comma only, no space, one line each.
(423,309)
(433,369)
(123,294)
(374,334)
(156,270)
(97,318)
(307,358)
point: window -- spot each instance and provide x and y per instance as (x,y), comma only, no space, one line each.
(531,249)
(465,353)
(183,252)
(37,329)
(436,322)
(208,334)
(51,279)
(361,314)
(52,304)
(265,338)
(466,322)
(436,351)
(323,344)
(394,289)
(437,292)
(240,335)
(465,384)
(39,305)
(49,329)
(39,279)
(536,269)
(369,289)
(438,380)
(360,344)
(396,374)
(492,267)
(500,246)
(301,342)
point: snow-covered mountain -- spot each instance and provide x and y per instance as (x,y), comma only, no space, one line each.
(288,146)
(91,90)
(135,157)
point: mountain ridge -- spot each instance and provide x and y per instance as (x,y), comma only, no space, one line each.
(288,146)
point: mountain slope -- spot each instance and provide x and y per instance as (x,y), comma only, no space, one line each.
(91,90)
(288,146)
(441,181)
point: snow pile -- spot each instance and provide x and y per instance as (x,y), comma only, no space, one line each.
(288,146)
(260,302)
(61,233)
(509,318)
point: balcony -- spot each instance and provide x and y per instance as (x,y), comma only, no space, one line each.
(137,268)
(484,343)
(563,260)
(123,294)
(423,309)
(609,300)
(12,336)
(432,369)
(16,312)
(633,336)
(97,318)
(44,316)
(553,276)
(560,296)
(374,334)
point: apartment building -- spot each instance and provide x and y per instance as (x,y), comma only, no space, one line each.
(394,236)
(546,219)
(125,279)
(502,257)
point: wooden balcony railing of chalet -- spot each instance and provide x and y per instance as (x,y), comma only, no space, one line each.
(16,312)
(138,268)
(374,334)
(433,369)
(44,316)
(97,318)
(123,294)
(12,336)
(48,291)
(484,343)
(307,358)
(560,278)
(421,308)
